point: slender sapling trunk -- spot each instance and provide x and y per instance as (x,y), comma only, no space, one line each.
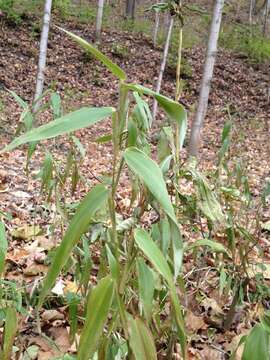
(206,80)
(42,53)
(163,64)
(155,33)
(99,19)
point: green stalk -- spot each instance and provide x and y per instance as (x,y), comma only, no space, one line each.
(178,68)
(118,123)
(177,96)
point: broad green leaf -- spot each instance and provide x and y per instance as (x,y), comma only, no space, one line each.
(93,201)
(132,133)
(153,253)
(141,340)
(214,245)
(150,173)
(165,164)
(155,256)
(74,121)
(114,267)
(56,105)
(165,235)
(178,248)
(9,333)
(174,110)
(146,287)
(98,307)
(257,344)
(3,247)
(115,69)
(265,321)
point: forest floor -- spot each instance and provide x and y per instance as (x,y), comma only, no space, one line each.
(237,86)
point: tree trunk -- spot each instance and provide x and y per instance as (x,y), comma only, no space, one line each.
(42,53)
(130,9)
(155,33)
(251,9)
(266,11)
(163,64)
(99,19)
(206,80)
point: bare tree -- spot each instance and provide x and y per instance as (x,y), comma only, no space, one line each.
(206,80)
(251,10)
(42,53)
(99,19)
(163,64)
(155,33)
(266,11)
(130,9)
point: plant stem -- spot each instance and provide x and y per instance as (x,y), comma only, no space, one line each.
(118,124)
(178,68)
(177,96)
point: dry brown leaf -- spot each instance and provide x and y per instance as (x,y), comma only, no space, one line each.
(194,323)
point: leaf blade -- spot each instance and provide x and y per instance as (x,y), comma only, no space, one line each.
(141,341)
(98,307)
(115,69)
(78,225)
(76,120)
(3,247)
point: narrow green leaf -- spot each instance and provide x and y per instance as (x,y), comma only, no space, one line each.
(74,121)
(104,139)
(79,146)
(146,287)
(56,105)
(214,245)
(79,225)
(19,100)
(9,333)
(165,164)
(155,256)
(115,271)
(257,344)
(143,111)
(178,248)
(153,253)
(98,307)
(152,176)
(165,235)
(3,247)
(141,340)
(115,69)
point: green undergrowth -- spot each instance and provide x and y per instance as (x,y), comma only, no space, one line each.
(246,41)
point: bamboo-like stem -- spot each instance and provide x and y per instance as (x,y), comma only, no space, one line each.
(118,123)
(177,126)
(178,68)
